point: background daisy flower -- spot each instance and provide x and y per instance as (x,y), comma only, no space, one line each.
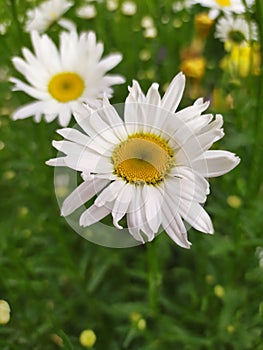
(152,166)
(235,30)
(61,78)
(41,17)
(235,6)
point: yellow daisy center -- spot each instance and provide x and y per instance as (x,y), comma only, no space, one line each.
(143,158)
(224,2)
(53,15)
(66,86)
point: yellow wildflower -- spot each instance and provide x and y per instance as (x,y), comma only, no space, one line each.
(4,312)
(193,67)
(242,60)
(87,338)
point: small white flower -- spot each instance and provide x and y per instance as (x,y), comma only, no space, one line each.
(234,6)
(48,12)
(60,79)
(4,27)
(112,5)
(150,33)
(147,22)
(152,166)
(181,5)
(128,8)
(235,29)
(87,11)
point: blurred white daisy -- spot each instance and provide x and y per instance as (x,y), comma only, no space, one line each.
(151,167)
(128,8)
(235,6)
(147,22)
(180,5)
(235,29)
(61,79)
(87,11)
(112,5)
(150,32)
(48,12)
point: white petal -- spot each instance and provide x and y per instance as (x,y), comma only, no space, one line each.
(134,117)
(174,93)
(196,216)
(193,111)
(134,109)
(81,195)
(103,129)
(37,94)
(69,147)
(56,161)
(86,161)
(109,62)
(92,215)
(153,200)
(121,204)
(173,225)
(74,135)
(113,79)
(64,116)
(111,117)
(109,193)
(197,145)
(190,175)
(135,92)
(91,122)
(67,24)
(28,110)
(133,217)
(46,49)
(141,213)
(153,97)
(216,163)
(136,216)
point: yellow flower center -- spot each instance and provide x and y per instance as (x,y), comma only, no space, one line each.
(224,2)
(66,86)
(143,158)
(53,15)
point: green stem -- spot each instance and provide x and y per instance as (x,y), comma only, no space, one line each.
(154,279)
(257,157)
(15,16)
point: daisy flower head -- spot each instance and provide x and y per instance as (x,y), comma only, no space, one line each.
(48,12)
(150,168)
(228,6)
(61,78)
(235,30)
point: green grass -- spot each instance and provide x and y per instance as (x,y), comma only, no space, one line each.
(58,283)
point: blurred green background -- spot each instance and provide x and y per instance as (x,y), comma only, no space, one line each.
(58,284)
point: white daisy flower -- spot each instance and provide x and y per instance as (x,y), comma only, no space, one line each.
(235,29)
(128,8)
(48,12)
(87,11)
(61,79)
(235,6)
(152,166)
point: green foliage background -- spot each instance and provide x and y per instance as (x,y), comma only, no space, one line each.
(58,283)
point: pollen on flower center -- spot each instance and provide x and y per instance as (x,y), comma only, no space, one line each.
(66,86)
(53,15)
(143,158)
(224,2)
